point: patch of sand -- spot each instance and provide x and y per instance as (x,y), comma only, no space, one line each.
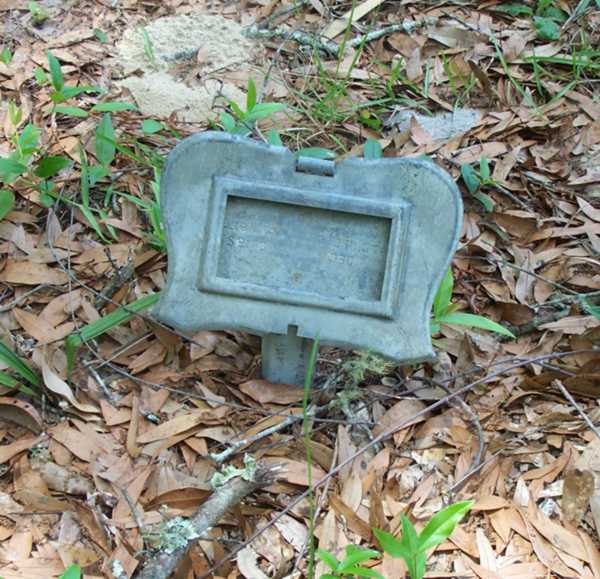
(202,48)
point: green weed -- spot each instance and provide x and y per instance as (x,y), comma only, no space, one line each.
(148,48)
(72,572)
(476,180)
(26,165)
(145,155)
(444,312)
(63,93)
(38,13)
(547,17)
(100,35)
(306,426)
(351,564)
(33,382)
(6,56)
(413,547)
(592,309)
(243,122)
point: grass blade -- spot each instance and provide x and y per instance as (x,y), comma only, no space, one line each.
(104,324)
(473,321)
(14,362)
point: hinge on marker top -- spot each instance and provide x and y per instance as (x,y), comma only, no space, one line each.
(315,166)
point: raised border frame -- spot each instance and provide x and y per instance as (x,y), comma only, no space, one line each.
(226,187)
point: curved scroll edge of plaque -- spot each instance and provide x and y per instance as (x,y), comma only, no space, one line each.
(179,304)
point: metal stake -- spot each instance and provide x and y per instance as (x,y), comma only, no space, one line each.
(285,357)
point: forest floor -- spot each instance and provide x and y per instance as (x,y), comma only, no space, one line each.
(111,422)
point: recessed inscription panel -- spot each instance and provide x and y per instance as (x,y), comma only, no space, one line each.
(332,254)
(286,245)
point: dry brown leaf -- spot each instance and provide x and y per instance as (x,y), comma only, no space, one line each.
(20,412)
(132,448)
(82,447)
(63,480)
(294,471)
(177,425)
(56,384)
(94,528)
(556,534)
(30,273)
(487,556)
(398,413)
(336,27)
(545,552)
(578,487)
(247,562)
(114,416)
(34,568)
(152,356)
(8,451)
(37,328)
(551,470)
(501,522)
(134,490)
(183,498)
(18,547)
(348,514)
(489,503)
(36,501)
(61,308)
(264,392)
(127,561)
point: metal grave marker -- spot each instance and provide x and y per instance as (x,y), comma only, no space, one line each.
(293,248)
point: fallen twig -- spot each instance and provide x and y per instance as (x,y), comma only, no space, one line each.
(237,445)
(329,46)
(299,36)
(580,410)
(163,564)
(478,429)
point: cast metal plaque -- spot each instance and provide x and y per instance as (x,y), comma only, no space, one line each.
(262,241)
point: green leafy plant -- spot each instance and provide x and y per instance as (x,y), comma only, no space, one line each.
(515,9)
(547,18)
(6,56)
(26,165)
(33,382)
(243,122)
(592,309)
(148,47)
(412,547)
(105,150)
(146,155)
(444,312)
(306,425)
(63,93)
(71,572)
(476,180)
(351,564)
(100,35)
(152,208)
(316,153)
(38,13)
(151,126)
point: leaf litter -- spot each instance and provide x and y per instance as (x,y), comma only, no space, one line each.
(125,439)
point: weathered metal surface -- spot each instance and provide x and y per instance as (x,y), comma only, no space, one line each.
(285,358)
(265,242)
